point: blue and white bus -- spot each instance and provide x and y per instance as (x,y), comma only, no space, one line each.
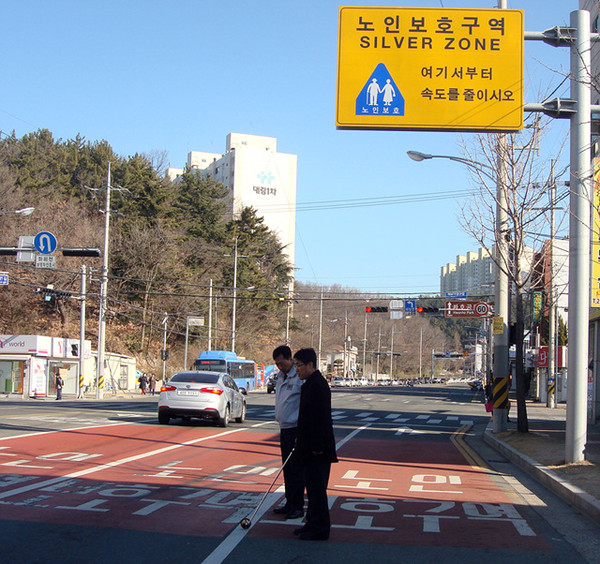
(241,370)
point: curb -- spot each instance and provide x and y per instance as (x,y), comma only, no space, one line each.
(583,501)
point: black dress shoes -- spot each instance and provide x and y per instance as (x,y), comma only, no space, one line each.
(283,510)
(300,530)
(313,536)
(294,514)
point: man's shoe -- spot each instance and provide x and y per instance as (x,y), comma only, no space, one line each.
(283,510)
(311,535)
(303,529)
(294,514)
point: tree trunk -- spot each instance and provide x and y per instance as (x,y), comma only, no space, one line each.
(522,422)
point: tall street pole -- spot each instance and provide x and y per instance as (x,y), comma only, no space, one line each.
(550,401)
(579,239)
(103,295)
(501,312)
(210,310)
(82,330)
(320,330)
(235,258)
(364,370)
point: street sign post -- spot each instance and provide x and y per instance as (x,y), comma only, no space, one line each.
(430,68)
(465,309)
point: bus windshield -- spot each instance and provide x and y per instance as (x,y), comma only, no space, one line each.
(212,365)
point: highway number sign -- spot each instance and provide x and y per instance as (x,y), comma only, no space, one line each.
(430,68)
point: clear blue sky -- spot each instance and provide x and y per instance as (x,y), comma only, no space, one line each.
(179,75)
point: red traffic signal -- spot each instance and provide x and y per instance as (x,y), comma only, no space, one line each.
(421,309)
(376,309)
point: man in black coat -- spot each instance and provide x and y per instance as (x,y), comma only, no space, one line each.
(315,445)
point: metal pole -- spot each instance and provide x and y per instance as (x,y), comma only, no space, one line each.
(501,311)
(378,355)
(365,349)
(320,329)
(82,329)
(187,332)
(579,240)
(287,320)
(210,310)
(235,257)
(164,364)
(550,400)
(421,355)
(103,294)
(344,366)
(392,356)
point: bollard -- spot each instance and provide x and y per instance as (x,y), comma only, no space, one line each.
(500,401)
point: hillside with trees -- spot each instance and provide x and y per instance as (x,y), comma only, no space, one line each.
(168,241)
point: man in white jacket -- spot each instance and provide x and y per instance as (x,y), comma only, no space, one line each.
(287,403)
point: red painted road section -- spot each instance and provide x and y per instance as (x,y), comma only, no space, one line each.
(202,481)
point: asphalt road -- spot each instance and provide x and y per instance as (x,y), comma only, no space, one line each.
(88,481)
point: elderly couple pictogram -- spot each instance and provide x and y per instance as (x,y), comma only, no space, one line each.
(374,90)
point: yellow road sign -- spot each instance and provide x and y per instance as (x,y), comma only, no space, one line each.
(430,68)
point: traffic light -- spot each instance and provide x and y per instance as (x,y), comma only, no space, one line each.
(421,309)
(164,354)
(49,293)
(376,309)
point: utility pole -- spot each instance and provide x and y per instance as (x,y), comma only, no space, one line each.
(164,351)
(82,330)
(210,310)
(365,349)
(392,355)
(550,399)
(103,295)
(501,309)
(235,258)
(579,238)
(320,329)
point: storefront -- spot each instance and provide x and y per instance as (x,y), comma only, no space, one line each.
(29,365)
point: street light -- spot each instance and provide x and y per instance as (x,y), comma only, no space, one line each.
(501,287)
(22,211)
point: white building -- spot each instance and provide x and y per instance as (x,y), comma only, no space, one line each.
(257,176)
(472,273)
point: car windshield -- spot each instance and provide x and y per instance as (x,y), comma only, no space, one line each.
(196,377)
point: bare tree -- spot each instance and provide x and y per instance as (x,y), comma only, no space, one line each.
(527,181)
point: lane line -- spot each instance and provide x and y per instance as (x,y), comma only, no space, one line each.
(474,460)
(238,534)
(115,463)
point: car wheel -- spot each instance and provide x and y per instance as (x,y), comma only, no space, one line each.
(224,421)
(163,418)
(242,416)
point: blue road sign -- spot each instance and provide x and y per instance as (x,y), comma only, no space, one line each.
(45,243)
(3,278)
(410,306)
(380,95)
(456,294)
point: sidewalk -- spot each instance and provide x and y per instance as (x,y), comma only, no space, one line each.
(541,453)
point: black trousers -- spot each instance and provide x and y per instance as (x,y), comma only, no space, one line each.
(316,473)
(293,474)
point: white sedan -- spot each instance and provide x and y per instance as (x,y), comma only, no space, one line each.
(204,395)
